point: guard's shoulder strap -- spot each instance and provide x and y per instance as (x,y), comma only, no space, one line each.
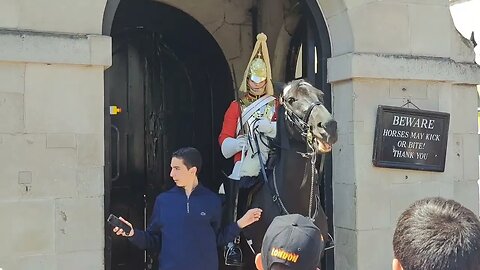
(252,108)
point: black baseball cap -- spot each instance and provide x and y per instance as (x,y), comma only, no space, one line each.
(292,240)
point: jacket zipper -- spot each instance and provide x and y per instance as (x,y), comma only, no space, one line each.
(188,201)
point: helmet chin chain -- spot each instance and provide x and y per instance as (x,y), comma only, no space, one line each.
(256,92)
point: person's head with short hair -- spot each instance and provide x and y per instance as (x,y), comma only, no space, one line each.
(186,163)
(437,234)
(291,242)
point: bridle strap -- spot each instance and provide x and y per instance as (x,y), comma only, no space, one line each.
(309,111)
(300,123)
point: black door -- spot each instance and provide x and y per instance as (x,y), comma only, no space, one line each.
(310,49)
(173,87)
(128,176)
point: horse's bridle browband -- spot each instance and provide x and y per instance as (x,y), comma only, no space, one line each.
(300,123)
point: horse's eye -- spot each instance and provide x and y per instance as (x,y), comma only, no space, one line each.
(291,100)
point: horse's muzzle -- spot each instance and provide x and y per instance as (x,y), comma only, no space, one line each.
(331,129)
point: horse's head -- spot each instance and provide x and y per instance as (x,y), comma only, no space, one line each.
(305,109)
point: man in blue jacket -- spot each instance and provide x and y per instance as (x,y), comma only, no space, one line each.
(185,224)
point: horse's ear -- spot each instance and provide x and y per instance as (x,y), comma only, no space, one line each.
(278,88)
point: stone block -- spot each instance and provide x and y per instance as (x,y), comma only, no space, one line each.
(470,157)
(11,109)
(238,12)
(352,4)
(363,136)
(340,68)
(210,18)
(346,255)
(462,49)
(455,158)
(90,150)
(445,97)
(9,14)
(373,207)
(12,76)
(52,48)
(75,16)
(345,206)
(332,8)
(247,38)
(61,141)
(396,66)
(15,156)
(79,225)
(52,170)
(341,32)
(368,95)
(229,38)
(36,262)
(406,89)
(464,118)
(90,182)
(422,2)
(92,259)
(343,98)
(100,49)
(369,175)
(343,162)
(372,33)
(64,99)
(29,226)
(421,30)
(374,249)
(466,193)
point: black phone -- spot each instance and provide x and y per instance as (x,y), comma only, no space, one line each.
(116,222)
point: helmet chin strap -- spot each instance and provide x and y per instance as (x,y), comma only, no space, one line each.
(257,92)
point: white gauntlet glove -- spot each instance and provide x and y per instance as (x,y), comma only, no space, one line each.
(231,146)
(267,127)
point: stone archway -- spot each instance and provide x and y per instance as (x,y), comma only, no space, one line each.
(330,23)
(173,87)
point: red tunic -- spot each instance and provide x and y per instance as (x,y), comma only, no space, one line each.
(230,120)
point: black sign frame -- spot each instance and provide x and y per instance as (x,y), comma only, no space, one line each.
(383,149)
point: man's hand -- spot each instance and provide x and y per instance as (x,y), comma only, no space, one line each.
(120,231)
(252,215)
(241,142)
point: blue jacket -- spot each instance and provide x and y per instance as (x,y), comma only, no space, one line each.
(186,230)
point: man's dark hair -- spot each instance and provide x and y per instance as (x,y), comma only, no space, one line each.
(437,234)
(191,157)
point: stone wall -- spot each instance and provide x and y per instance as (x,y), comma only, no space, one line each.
(52,139)
(51,134)
(393,55)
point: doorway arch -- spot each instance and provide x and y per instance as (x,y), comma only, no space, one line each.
(173,88)
(126,19)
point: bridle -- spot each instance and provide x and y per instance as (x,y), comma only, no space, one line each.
(301,123)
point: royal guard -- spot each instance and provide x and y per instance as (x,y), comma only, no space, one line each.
(248,124)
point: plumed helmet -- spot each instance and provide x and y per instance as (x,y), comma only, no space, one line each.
(258,68)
